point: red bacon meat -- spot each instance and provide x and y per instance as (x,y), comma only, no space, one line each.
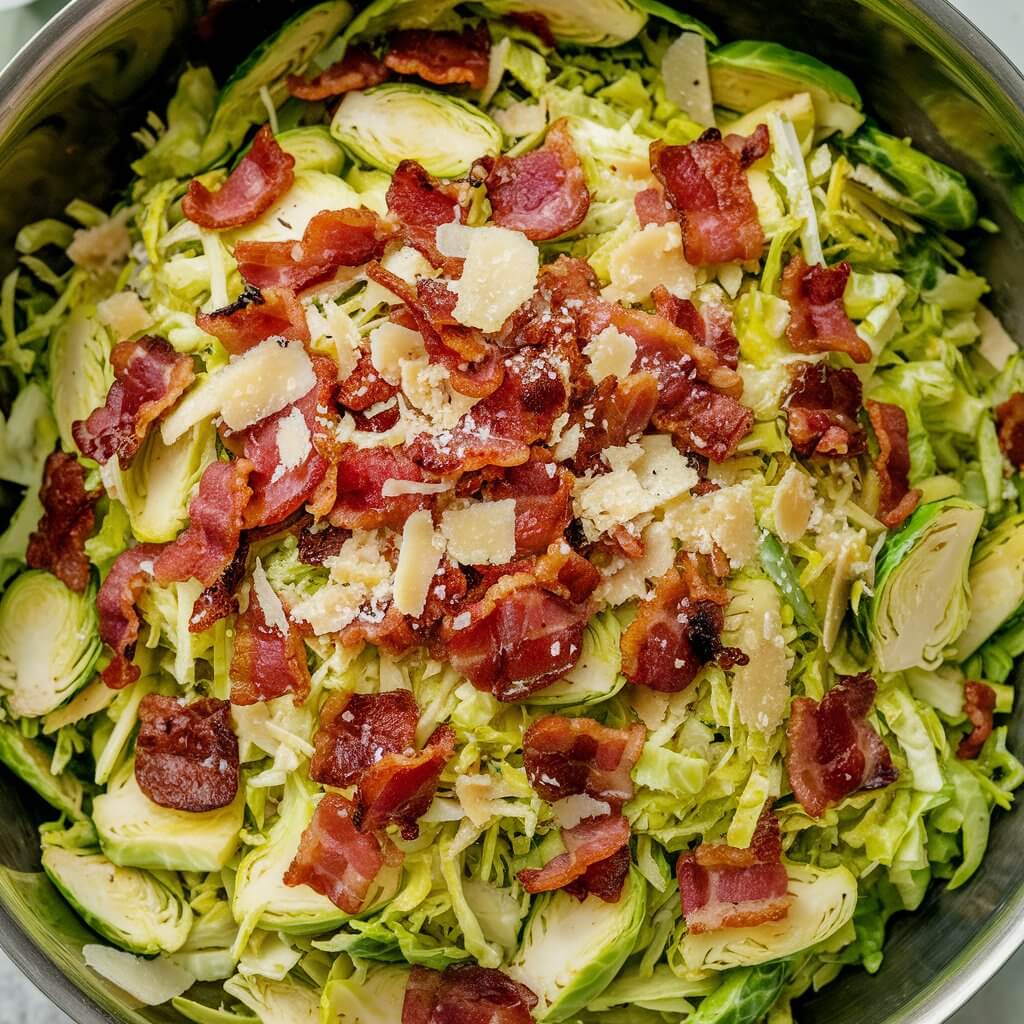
(822,406)
(833,751)
(1010,418)
(979,707)
(713,329)
(69,513)
(362,473)
(262,177)
(358,69)
(444,58)
(542,492)
(254,317)
(218,600)
(149,377)
(465,994)
(186,755)
(115,606)
(897,500)
(421,204)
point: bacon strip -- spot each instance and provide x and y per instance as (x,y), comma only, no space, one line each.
(118,619)
(338,861)
(979,706)
(611,415)
(651,208)
(208,545)
(254,317)
(822,406)
(543,495)
(399,788)
(261,178)
(69,513)
(724,887)
(218,600)
(1010,417)
(316,546)
(542,193)
(892,463)
(332,239)
(149,377)
(358,69)
(818,320)
(357,729)
(833,751)
(569,756)
(186,755)
(421,204)
(714,329)
(705,184)
(362,473)
(265,662)
(465,994)
(589,843)
(444,58)
(677,631)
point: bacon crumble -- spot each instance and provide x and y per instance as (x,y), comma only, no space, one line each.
(465,994)
(822,406)
(892,464)
(118,618)
(254,317)
(443,58)
(979,706)
(358,69)
(1010,421)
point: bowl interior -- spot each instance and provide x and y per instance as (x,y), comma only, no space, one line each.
(67,106)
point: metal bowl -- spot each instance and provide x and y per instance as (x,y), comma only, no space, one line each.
(67,105)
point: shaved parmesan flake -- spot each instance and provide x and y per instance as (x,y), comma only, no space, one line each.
(995,344)
(568,444)
(792,505)
(724,517)
(249,388)
(151,982)
(418,559)
(103,247)
(396,488)
(521,118)
(335,330)
(571,810)
(408,264)
(390,345)
(684,69)
(499,275)
(270,603)
(124,314)
(644,477)
(482,532)
(427,388)
(611,354)
(294,444)
(482,797)
(646,259)
(628,580)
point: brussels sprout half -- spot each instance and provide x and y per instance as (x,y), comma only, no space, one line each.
(824,899)
(27,436)
(571,951)
(275,1002)
(597,675)
(80,373)
(138,911)
(373,998)
(921,602)
(924,187)
(313,149)
(996,579)
(135,832)
(398,120)
(582,22)
(750,72)
(30,761)
(48,643)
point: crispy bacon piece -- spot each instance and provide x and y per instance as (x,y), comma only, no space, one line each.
(186,755)
(818,320)
(266,662)
(218,600)
(332,239)
(115,606)
(705,184)
(208,544)
(833,751)
(610,415)
(149,377)
(398,788)
(706,423)
(892,463)
(591,842)
(254,317)
(362,473)
(279,488)
(1010,417)
(69,513)
(338,861)
(651,207)
(713,330)
(979,707)
(518,639)
(605,879)
(316,545)
(261,178)
(568,756)
(364,387)
(358,69)
(421,204)
(543,495)
(678,630)
(465,994)
(821,410)
(724,887)
(542,193)
(357,729)
(444,58)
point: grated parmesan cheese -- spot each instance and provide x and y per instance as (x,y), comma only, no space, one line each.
(500,272)
(428,390)
(684,70)
(481,532)
(646,259)
(390,346)
(418,559)
(724,517)
(249,388)
(124,314)
(611,354)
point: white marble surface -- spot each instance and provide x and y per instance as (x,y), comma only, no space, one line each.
(999,1003)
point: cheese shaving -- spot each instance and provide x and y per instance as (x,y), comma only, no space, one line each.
(481,532)
(390,346)
(646,259)
(418,559)
(611,354)
(270,604)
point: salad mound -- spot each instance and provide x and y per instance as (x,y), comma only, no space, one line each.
(516,515)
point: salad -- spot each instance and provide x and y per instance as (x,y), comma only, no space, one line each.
(515,515)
